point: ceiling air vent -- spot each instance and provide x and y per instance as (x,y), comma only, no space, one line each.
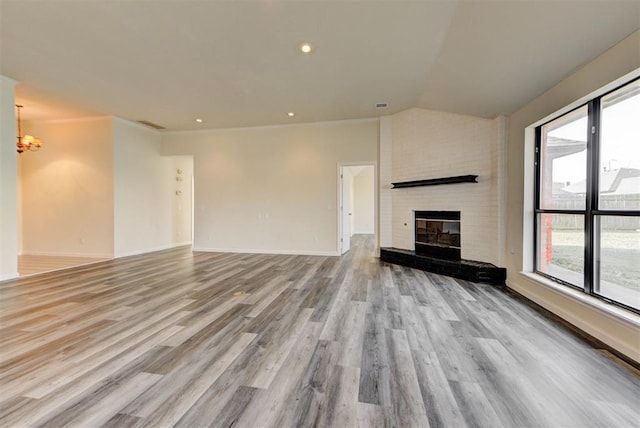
(382,105)
(151,124)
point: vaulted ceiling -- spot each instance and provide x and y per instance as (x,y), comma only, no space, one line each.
(238,63)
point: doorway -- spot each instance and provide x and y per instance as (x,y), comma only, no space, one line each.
(357,203)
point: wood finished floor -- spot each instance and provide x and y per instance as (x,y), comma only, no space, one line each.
(163,340)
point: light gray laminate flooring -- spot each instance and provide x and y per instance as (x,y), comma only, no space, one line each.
(207,339)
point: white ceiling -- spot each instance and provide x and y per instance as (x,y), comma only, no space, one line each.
(237,63)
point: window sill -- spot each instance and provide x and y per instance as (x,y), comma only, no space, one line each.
(607,309)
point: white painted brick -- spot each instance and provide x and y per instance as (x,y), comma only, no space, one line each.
(421,144)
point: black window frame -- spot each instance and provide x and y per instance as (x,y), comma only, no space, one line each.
(592,210)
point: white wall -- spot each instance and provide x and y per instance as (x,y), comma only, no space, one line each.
(100,188)
(148,214)
(8,182)
(271,189)
(620,329)
(424,144)
(385,178)
(19,206)
(363,201)
(67,189)
(182,199)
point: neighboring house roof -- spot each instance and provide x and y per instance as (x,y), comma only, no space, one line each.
(628,186)
(621,181)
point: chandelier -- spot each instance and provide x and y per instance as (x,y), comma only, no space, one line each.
(26,142)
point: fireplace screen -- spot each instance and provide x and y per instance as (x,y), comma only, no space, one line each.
(438,233)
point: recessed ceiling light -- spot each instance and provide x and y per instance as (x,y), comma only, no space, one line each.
(306,48)
(291,114)
(199,120)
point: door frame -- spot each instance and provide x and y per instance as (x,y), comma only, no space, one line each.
(376,209)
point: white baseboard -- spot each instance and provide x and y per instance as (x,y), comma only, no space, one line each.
(8,276)
(63,254)
(151,249)
(263,251)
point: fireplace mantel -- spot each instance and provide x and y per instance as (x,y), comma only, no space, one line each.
(436,181)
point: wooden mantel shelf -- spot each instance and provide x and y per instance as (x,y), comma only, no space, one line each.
(436,181)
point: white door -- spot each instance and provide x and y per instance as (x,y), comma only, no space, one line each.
(345,208)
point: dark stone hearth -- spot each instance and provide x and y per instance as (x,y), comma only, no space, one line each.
(469,270)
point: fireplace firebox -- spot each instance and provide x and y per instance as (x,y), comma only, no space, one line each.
(437,234)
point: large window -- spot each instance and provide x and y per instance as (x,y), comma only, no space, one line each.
(587,216)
